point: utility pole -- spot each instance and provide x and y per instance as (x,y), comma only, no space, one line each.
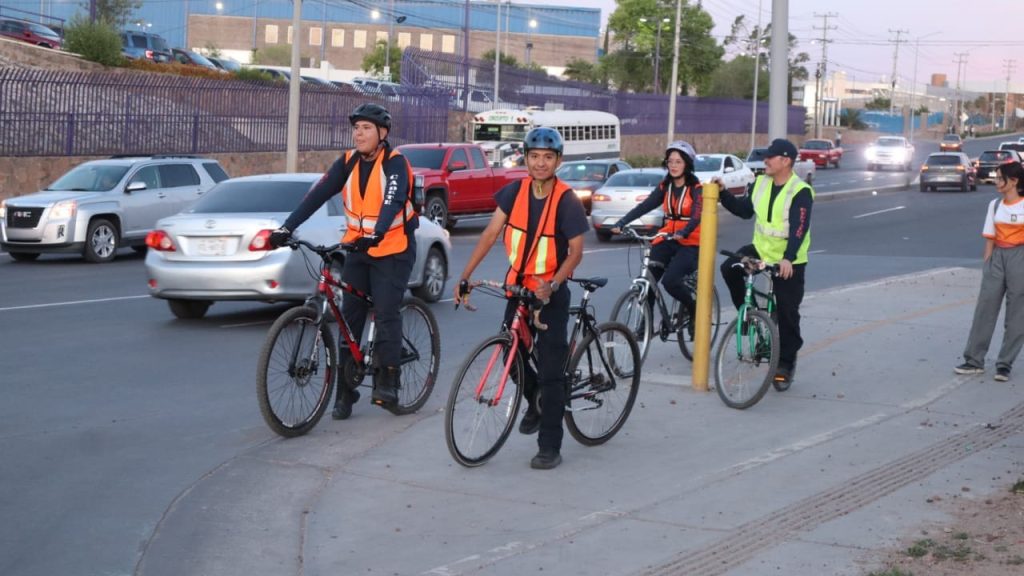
(670,135)
(822,73)
(757,68)
(465,58)
(895,59)
(1009,65)
(292,151)
(778,100)
(497,56)
(961,59)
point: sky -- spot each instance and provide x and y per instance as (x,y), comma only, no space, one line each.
(988,31)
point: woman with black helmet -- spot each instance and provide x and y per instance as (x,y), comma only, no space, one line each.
(680,196)
(544,243)
(376,187)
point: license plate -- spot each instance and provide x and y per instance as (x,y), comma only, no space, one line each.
(216,246)
(992,174)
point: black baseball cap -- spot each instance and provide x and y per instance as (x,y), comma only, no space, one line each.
(781,147)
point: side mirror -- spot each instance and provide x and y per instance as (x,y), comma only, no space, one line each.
(135,186)
(456,166)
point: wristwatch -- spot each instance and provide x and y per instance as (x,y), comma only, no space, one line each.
(554,286)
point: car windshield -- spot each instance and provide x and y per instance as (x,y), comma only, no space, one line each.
(43,31)
(708,164)
(90,178)
(582,171)
(994,156)
(950,138)
(757,155)
(943,160)
(200,59)
(249,196)
(815,145)
(159,44)
(429,158)
(634,179)
(889,142)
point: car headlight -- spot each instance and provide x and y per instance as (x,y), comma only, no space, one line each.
(870,153)
(63,210)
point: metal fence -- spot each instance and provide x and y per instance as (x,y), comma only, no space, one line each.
(45,113)
(639,113)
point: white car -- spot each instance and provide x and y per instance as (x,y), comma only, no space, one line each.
(733,172)
(804,169)
(890,151)
(216,250)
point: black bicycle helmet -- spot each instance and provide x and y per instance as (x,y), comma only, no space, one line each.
(544,138)
(371,112)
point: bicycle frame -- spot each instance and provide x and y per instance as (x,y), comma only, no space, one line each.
(645,281)
(750,296)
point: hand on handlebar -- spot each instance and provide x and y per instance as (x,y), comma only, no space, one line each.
(279,237)
(364,243)
(462,291)
(785,269)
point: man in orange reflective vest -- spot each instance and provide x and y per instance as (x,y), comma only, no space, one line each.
(544,222)
(376,187)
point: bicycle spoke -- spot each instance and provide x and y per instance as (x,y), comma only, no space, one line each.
(604,378)
(746,360)
(420,356)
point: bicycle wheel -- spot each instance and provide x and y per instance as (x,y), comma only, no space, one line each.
(421,356)
(604,376)
(746,360)
(683,334)
(295,372)
(637,316)
(476,426)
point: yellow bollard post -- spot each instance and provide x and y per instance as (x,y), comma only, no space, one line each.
(705,284)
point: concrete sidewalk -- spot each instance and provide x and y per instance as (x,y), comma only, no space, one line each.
(806,482)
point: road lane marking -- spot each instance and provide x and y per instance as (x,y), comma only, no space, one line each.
(71,303)
(596,250)
(876,212)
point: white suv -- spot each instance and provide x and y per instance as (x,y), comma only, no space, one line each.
(102,205)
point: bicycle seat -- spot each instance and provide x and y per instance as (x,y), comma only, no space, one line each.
(590,284)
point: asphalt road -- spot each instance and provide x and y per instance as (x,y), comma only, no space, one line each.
(114,411)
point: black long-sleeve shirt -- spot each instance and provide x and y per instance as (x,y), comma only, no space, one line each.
(397,190)
(799,213)
(657,197)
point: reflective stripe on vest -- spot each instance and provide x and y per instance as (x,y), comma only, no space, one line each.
(677,216)
(528,265)
(362,210)
(771,235)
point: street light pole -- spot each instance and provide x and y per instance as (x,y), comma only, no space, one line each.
(497,54)
(675,77)
(757,69)
(387,51)
(292,152)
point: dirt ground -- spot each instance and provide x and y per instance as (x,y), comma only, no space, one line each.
(985,538)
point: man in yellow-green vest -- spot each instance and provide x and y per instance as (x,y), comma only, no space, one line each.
(780,204)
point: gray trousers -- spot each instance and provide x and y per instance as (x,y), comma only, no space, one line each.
(1002,276)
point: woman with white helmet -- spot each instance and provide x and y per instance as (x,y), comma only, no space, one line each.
(674,256)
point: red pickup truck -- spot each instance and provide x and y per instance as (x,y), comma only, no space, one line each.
(821,152)
(456,180)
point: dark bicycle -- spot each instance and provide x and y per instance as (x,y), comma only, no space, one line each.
(298,364)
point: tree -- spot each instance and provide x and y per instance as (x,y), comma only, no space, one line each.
(735,79)
(375,61)
(115,12)
(580,70)
(878,103)
(279,55)
(506,59)
(850,117)
(746,40)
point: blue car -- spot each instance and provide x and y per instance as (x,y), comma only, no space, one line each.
(145,46)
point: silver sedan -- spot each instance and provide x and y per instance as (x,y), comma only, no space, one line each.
(213,250)
(619,194)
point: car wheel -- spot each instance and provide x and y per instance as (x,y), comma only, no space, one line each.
(836,165)
(189,309)
(435,273)
(24,256)
(603,235)
(101,241)
(437,210)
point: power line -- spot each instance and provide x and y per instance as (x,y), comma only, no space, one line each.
(1009,65)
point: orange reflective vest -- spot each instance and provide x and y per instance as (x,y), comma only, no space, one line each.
(528,265)
(677,215)
(362,210)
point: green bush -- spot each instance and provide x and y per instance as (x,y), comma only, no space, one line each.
(95,41)
(253,74)
(640,161)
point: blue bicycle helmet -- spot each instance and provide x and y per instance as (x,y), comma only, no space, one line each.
(544,138)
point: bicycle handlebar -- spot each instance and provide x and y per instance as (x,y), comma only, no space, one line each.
(750,264)
(323,251)
(632,233)
(508,291)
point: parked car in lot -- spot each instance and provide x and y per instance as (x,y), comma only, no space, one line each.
(102,205)
(30,32)
(620,193)
(732,171)
(890,151)
(804,169)
(225,64)
(585,176)
(948,170)
(144,45)
(822,152)
(989,161)
(190,58)
(951,143)
(217,250)
(456,180)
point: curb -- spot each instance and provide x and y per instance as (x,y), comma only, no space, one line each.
(858,192)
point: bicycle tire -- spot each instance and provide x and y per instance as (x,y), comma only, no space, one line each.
(683,334)
(291,395)
(638,317)
(591,374)
(745,384)
(421,356)
(466,416)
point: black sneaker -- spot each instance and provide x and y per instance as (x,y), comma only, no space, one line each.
(783,377)
(967,368)
(546,459)
(343,405)
(530,422)
(1002,374)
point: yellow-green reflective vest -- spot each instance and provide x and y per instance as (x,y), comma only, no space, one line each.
(771,231)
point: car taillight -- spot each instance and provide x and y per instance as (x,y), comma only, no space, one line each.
(160,241)
(261,241)
(960,168)
(601,198)
(149,54)
(924,167)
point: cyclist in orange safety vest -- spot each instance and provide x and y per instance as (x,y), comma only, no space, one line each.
(376,187)
(544,223)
